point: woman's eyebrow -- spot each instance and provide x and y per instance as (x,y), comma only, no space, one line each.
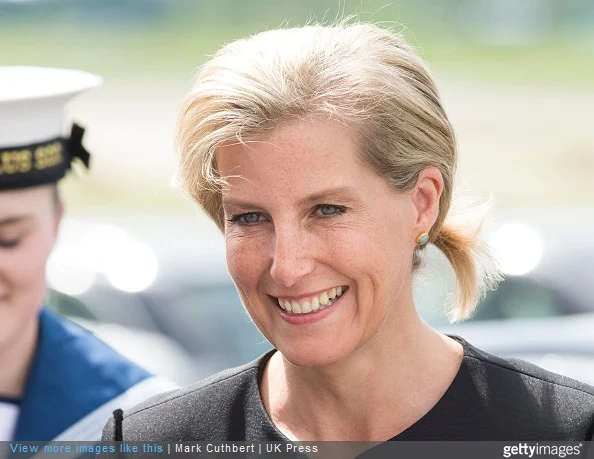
(324,196)
(238,204)
(328,195)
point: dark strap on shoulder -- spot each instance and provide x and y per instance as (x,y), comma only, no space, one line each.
(118,416)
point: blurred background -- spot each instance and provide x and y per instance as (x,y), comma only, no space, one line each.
(139,265)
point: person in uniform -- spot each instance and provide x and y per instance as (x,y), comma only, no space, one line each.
(57,380)
(325,156)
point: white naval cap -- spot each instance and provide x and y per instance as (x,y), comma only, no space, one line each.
(33,100)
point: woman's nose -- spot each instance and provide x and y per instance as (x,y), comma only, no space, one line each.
(292,257)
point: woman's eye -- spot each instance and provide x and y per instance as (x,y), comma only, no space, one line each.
(246,219)
(329,209)
(9,244)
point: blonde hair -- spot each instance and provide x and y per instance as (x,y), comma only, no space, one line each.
(360,74)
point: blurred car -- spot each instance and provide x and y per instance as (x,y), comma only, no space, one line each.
(167,275)
(159,354)
(564,344)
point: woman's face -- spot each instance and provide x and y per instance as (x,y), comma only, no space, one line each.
(311,227)
(29,220)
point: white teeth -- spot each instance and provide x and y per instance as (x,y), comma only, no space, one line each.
(315,304)
(306,307)
(295,307)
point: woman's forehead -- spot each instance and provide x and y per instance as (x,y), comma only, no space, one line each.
(23,201)
(292,158)
(300,164)
(293,145)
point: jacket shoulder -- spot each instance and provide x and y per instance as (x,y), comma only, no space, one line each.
(522,393)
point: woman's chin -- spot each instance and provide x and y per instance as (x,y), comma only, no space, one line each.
(312,355)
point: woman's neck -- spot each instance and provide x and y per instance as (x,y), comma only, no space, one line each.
(16,357)
(373,394)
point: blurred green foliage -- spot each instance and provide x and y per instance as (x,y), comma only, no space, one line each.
(526,41)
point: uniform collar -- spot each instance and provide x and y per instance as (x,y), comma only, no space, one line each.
(72,373)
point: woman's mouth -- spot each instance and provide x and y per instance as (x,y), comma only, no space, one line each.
(312,304)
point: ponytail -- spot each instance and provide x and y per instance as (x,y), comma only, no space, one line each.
(474,265)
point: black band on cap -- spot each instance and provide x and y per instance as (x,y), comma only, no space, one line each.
(75,146)
(41,163)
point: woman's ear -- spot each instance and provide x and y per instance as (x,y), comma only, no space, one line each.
(425,197)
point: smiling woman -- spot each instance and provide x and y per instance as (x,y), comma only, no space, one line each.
(326,158)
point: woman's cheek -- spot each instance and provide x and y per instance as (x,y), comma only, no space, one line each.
(348,245)
(246,258)
(25,270)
